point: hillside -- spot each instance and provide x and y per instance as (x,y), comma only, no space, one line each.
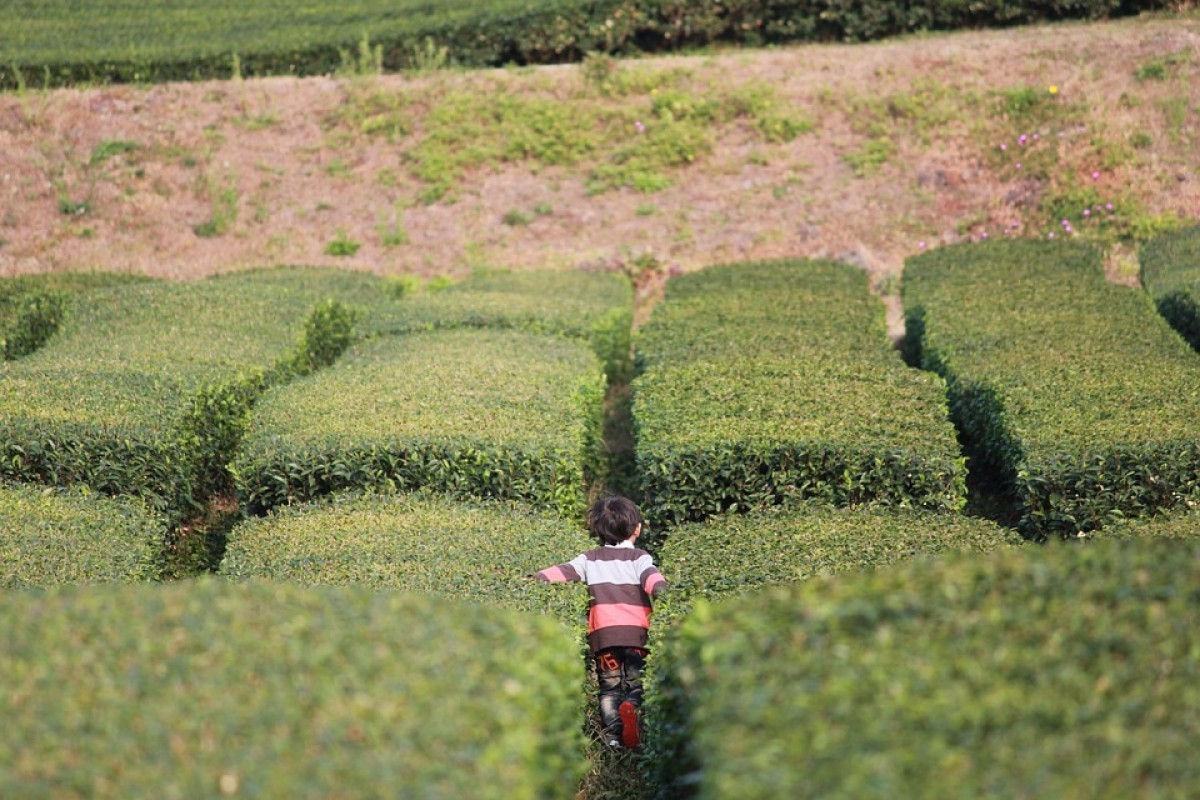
(866,153)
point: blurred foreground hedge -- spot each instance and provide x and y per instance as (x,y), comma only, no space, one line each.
(1056,671)
(213,689)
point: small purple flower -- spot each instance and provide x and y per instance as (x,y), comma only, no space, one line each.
(1022,138)
(1087,212)
(640,127)
(1003,147)
(1095,176)
(983,235)
(1035,137)
(921,245)
(1018,165)
(1108,206)
(1051,236)
(1066,223)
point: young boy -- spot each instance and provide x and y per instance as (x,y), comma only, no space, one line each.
(621,580)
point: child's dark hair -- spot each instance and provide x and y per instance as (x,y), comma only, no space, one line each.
(613,519)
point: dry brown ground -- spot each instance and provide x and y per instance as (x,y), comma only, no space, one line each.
(297,183)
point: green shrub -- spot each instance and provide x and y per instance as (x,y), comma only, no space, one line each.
(146,390)
(1054,671)
(32,307)
(1070,389)
(50,537)
(1171,273)
(205,689)
(474,413)
(58,43)
(775,382)
(469,551)
(1165,526)
(735,553)
(596,307)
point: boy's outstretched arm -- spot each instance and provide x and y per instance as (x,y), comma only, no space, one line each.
(570,572)
(653,583)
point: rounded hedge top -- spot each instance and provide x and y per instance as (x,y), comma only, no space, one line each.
(50,537)
(1057,671)
(476,551)
(734,553)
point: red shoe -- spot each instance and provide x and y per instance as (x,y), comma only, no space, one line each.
(631,734)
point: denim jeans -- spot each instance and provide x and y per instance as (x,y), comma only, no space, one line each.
(619,673)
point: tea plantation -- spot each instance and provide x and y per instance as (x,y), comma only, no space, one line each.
(1171,274)
(774,383)
(1075,390)
(379,470)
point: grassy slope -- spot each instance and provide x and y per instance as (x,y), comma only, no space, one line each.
(902,148)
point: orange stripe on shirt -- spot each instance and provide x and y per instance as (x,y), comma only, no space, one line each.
(611,614)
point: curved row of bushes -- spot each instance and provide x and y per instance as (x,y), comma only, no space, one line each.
(32,307)
(145,389)
(1072,389)
(55,43)
(206,689)
(1170,267)
(1063,671)
(775,382)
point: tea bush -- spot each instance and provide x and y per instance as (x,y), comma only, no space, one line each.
(51,536)
(1171,273)
(146,389)
(593,306)
(775,382)
(473,413)
(739,552)
(1073,390)
(430,544)
(1055,671)
(32,306)
(1166,526)
(206,688)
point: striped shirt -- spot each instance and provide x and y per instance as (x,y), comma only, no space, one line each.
(621,579)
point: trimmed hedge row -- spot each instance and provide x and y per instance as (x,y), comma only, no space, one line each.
(736,553)
(1171,273)
(596,307)
(1170,526)
(473,413)
(32,307)
(467,551)
(50,537)
(1052,671)
(769,383)
(205,688)
(146,390)
(1072,389)
(54,42)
